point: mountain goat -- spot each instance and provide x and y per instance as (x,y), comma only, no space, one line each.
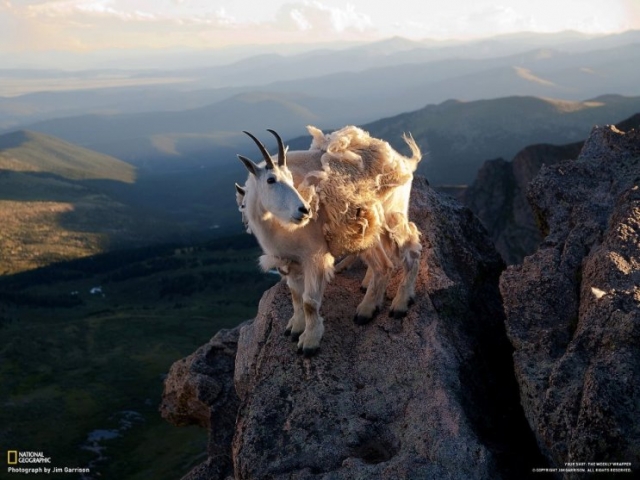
(347,195)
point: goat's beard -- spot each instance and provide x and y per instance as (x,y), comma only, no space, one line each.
(293,224)
(296,224)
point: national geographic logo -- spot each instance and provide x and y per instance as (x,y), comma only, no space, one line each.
(14,457)
(36,463)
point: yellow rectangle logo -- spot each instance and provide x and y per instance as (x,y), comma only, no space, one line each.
(12,457)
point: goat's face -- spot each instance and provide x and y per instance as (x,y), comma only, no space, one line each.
(242,207)
(272,186)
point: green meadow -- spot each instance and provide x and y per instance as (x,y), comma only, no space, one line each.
(77,365)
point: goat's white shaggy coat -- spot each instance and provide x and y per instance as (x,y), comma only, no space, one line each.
(348,194)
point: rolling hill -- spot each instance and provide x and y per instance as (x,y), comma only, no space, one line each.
(57,203)
(27,151)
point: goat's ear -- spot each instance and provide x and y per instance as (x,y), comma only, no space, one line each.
(252,167)
(240,190)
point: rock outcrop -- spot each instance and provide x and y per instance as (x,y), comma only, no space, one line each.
(199,390)
(498,195)
(430,396)
(573,307)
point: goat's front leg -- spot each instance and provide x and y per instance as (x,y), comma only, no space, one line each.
(296,325)
(316,275)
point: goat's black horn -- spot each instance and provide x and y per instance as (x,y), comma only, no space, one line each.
(262,148)
(282,156)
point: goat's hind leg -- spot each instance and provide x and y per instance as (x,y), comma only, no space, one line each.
(377,278)
(347,262)
(410,255)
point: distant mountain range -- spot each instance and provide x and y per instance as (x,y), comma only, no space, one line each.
(353,85)
(189,134)
(192,190)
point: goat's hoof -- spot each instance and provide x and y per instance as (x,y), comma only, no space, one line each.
(310,352)
(363,289)
(295,336)
(287,332)
(412,300)
(397,314)
(360,320)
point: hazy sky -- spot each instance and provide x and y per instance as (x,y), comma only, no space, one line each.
(85,25)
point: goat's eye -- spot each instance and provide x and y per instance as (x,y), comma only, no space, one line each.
(271,180)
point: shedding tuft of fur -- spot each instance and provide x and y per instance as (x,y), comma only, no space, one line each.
(358,173)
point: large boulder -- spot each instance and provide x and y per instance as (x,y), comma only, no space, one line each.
(573,307)
(430,396)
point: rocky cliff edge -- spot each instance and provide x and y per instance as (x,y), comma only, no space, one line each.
(477,381)
(432,395)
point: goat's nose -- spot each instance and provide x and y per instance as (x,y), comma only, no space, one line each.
(304,210)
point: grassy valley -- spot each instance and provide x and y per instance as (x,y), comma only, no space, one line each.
(85,345)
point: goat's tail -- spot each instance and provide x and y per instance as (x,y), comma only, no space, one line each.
(416,154)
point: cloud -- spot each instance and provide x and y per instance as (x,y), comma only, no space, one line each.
(312,15)
(92,24)
(176,11)
(303,16)
(495,19)
(99,24)
(502,16)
